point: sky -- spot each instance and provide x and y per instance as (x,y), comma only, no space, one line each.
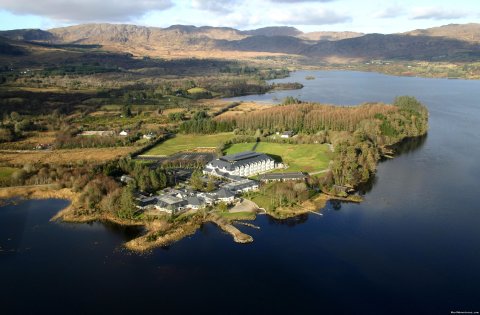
(367,16)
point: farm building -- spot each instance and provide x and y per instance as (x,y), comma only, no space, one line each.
(100,133)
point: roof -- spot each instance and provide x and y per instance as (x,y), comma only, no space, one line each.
(170,200)
(233,178)
(233,161)
(240,156)
(276,176)
(147,201)
(240,184)
(224,193)
(194,201)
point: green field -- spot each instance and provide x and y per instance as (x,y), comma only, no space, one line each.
(298,157)
(188,142)
(6,172)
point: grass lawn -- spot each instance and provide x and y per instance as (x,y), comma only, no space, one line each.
(237,215)
(188,142)
(299,157)
(262,201)
(6,172)
(197,90)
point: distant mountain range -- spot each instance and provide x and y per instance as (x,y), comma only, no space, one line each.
(450,42)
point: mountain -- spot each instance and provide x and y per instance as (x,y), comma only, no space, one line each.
(273,44)
(274,31)
(466,32)
(7,48)
(393,46)
(28,35)
(330,36)
(449,42)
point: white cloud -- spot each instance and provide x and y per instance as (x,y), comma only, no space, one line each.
(298,1)
(85,10)
(307,16)
(224,6)
(436,13)
(390,12)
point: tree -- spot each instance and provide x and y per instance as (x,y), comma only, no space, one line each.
(6,135)
(127,205)
(222,207)
(210,185)
(127,110)
(196,181)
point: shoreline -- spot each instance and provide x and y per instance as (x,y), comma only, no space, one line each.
(160,233)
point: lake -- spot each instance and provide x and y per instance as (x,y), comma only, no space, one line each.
(413,246)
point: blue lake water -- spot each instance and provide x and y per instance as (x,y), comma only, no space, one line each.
(413,246)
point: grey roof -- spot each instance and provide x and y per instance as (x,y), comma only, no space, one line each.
(170,200)
(195,201)
(233,178)
(224,193)
(276,176)
(245,183)
(147,201)
(240,156)
(232,161)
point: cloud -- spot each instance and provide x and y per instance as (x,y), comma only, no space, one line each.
(220,6)
(390,12)
(298,1)
(307,16)
(436,13)
(85,10)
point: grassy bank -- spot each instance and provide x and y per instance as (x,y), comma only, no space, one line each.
(298,157)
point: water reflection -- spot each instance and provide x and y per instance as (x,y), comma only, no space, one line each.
(405,147)
(290,222)
(127,233)
(410,145)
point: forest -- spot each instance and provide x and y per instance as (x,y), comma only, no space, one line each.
(359,134)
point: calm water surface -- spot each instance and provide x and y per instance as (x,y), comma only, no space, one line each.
(413,246)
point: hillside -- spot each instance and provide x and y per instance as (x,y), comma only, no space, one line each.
(449,43)
(466,32)
(378,46)
(274,31)
(330,36)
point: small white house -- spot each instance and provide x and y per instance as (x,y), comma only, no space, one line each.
(149,136)
(195,203)
(126,179)
(287,134)
(224,195)
(123,133)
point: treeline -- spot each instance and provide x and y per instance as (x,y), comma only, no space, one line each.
(201,123)
(359,134)
(69,138)
(357,153)
(206,126)
(308,118)
(287,86)
(15,126)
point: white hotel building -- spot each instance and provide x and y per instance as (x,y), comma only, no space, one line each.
(242,164)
